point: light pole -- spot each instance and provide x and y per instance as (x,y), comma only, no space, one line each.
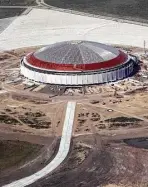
(144,47)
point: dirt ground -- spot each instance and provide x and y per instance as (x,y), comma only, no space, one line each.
(17,2)
(25,158)
(107,162)
(12,152)
(10,12)
(29,118)
(105,117)
(127,113)
(129,9)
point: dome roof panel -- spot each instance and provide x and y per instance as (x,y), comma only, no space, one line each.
(105,52)
(89,55)
(76,52)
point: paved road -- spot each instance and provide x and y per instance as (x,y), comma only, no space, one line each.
(61,155)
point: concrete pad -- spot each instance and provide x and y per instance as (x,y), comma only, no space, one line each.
(42,27)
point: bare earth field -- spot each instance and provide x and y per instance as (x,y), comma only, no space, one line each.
(105,163)
(112,114)
(33,119)
(7,12)
(10,12)
(109,145)
(17,2)
(8,156)
(129,9)
(22,158)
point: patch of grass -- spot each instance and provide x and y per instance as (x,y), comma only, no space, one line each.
(41,125)
(17,2)
(112,125)
(8,120)
(10,12)
(129,9)
(35,120)
(95,119)
(123,119)
(77,156)
(16,152)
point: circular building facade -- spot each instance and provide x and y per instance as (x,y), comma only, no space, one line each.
(77,63)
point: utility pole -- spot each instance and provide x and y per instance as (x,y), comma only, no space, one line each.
(144,47)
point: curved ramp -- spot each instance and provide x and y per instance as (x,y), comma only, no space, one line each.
(61,155)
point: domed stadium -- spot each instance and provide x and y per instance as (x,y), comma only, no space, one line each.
(77,63)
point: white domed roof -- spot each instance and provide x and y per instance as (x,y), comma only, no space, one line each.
(76,52)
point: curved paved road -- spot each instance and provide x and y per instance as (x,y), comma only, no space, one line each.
(61,155)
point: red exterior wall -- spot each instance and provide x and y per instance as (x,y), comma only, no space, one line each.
(78,67)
